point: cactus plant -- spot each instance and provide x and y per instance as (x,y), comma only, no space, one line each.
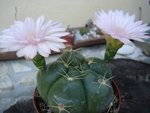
(75,84)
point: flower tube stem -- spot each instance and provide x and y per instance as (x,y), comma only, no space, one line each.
(39,62)
(112,46)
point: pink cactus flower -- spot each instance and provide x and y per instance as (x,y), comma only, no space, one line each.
(120,26)
(31,37)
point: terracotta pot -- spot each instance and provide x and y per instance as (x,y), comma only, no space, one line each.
(114,85)
(117,94)
(69,39)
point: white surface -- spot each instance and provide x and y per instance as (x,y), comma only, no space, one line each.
(70,12)
(126,50)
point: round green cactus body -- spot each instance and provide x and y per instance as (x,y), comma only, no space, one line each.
(74,84)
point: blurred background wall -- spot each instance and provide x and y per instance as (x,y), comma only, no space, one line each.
(70,12)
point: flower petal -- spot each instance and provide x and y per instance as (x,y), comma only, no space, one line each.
(55,46)
(43,47)
(28,51)
(60,34)
(39,23)
(29,37)
(55,39)
(42,53)
(120,25)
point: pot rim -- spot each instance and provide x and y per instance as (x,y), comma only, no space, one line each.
(117,93)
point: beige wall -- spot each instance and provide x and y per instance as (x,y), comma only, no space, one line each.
(69,12)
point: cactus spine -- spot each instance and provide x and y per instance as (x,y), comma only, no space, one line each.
(74,84)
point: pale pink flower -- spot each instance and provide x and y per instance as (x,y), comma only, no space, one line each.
(31,37)
(120,26)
